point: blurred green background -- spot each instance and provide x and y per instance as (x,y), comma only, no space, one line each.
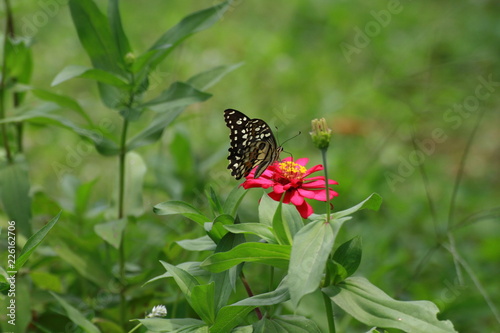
(387,76)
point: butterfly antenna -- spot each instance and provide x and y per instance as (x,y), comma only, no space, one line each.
(287,152)
(293,137)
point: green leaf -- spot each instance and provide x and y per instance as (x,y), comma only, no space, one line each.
(63,101)
(182,155)
(134,179)
(203,243)
(233,200)
(76,316)
(83,261)
(349,255)
(103,145)
(189,25)
(268,254)
(215,203)
(170,325)
(24,305)
(229,317)
(82,197)
(202,300)
(18,59)
(34,241)
(280,228)
(373,202)
(285,324)
(182,208)
(14,195)
(225,282)
(83,72)
(294,221)
(216,229)
(179,94)
(336,273)
(143,61)
(311,248)
(18,63)
(278,296)
(371,306)
(192,267)
(258,229)
(111,231)
(184,280)
(207,79)
(243,329)
(95,35)
(267,209)
(46,281)
(155,129)
(119,37)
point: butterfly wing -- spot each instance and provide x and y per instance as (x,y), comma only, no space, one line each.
(252,144)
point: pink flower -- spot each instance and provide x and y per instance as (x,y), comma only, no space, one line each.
(288,180)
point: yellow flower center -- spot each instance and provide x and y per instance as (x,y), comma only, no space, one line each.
(292,170)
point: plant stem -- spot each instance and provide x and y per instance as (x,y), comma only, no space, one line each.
(329,313)
(323,156)
(3,127)
(326,299)
(16,96)
(135,328)
(121,195)
(250,293)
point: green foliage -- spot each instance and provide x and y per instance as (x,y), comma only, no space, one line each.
(305,262)
(76,317)
(14,195)
(370,305)
(33,242)
(123,81)
(105,183)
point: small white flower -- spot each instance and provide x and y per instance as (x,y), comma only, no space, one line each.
(158,311)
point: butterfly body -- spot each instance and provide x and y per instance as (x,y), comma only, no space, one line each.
(252,144)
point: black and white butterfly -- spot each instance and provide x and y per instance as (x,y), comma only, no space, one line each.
(252,144)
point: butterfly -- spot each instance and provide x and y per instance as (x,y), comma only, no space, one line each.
(252,144)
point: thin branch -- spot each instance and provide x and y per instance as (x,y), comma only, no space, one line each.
(477,283)
(460,172)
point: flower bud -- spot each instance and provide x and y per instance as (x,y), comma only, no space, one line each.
(320,133)
(129,58)
(158,311)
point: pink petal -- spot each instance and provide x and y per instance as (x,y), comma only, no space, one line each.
(275,196)
(278,188)
(305,210)
(321,195)
(306,193)
(302,161)
(259,182)
(315,184)
(315,168)
(296,198)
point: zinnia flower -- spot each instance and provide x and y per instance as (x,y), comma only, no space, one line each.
(288,180)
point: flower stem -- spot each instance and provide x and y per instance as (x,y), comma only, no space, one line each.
(135,328)
(121,194)
(323,156)
(250,293)
(329,313)
(326,299)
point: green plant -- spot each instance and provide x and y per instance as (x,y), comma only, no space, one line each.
(303,256)
(123,79)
